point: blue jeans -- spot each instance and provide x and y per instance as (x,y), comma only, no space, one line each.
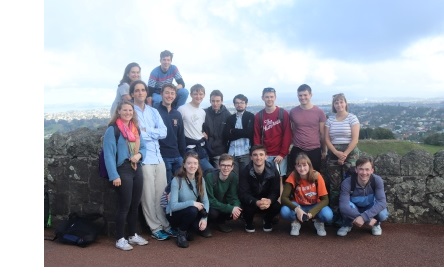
(382,216)
(325,215)
(171,165)
(181,98)
(240,162)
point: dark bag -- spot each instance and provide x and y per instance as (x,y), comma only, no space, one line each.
(80,230)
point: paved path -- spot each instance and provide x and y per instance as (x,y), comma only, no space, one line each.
(401,245)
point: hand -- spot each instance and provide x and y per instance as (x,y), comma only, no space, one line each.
(372,222)
(198,205)
(205,136)
(179,86)
(236,212)
(359,221)
(117,182)
(202,224)
(300,213)
(264,203)
(149,101)
(278,159)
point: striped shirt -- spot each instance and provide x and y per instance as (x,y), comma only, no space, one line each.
(340,131)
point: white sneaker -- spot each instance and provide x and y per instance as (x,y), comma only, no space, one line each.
(295,227)
(377,230)
(344,230)
(136,239)
(320,229)
(123,244)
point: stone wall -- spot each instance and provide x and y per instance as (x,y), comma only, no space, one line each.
(414,183)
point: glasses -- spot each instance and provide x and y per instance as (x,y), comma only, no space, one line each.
(225,166)
(239,103)
(340,94)
(266,90)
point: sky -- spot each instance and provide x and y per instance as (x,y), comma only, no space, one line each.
(369,50)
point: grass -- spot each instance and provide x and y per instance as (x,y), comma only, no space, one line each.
(376,147)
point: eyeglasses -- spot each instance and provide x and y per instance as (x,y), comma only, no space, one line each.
(340,94)
(239,102)
(225,166)
(266,90)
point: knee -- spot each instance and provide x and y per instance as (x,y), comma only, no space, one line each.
(383,215)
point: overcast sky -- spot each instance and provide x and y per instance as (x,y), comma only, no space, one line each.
(365,49)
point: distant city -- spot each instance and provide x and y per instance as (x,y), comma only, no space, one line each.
(407,120)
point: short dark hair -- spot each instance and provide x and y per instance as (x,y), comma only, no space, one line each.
(131,89)
(304,87)
(240,97)
(166,53)
(217,93)
(268,90)
(226,156)
(363,160)
(257,147)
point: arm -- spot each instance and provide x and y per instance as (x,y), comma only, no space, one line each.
(231,195)
(275,188)
(286,138)
(285,197)
(181,136)
(354,138)
(380,199)
(214,202)
(159,131)
(180,83)
(322,135)
(205,200)
(245,192)
(110,153)
(174,196)
(257,131)
(344,200)
(323,203)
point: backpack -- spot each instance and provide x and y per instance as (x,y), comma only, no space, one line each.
(80,230)
(102,168)
(261,119)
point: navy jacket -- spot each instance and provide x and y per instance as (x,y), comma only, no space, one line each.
(174,144)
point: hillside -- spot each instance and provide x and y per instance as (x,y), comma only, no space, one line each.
(376,147)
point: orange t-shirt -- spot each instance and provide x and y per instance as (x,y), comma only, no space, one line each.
(305,192)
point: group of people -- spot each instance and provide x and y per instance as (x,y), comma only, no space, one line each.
(212,166)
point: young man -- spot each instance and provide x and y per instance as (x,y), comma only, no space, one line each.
(221,188)
(165,74)
(216,116)
(152,129)
(259,190)
(239,132)
(172,148)
(193,120)
(307,125)
(362,199)
(272,132)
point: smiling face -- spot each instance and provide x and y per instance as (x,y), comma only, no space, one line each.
(304,97)
(168,96)
(269,98)
(197,97)
(126,112)
(134,73)
(364,172)
(191,165)
(340,105)
(302,167)
(226,166)
(258,157)
(165,63)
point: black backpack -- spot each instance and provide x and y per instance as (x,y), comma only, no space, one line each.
(80,230)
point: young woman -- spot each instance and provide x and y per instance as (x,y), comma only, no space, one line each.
(123,164)
(131,73)
(305,197)
(341,138)
(188,203)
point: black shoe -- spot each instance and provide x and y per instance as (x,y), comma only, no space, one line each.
(190,236)
(206,233)
(275,219)
(182,239)
(249,227)
(224,228)
(268,226)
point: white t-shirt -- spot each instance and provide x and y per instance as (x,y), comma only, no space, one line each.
(193,119)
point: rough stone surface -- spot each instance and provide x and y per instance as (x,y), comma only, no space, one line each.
(414,183)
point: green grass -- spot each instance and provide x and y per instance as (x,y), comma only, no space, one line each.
(376,147)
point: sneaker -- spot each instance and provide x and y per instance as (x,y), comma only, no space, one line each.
(268,226)
(320,229)
(344,230)
(377,230)
(136,239)
(160,235)
(206,233)
(249,228)
(123,244)
(295,227)
(172,232)
(224,228)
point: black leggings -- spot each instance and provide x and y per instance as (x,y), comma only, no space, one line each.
(129,194)
(314,155)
